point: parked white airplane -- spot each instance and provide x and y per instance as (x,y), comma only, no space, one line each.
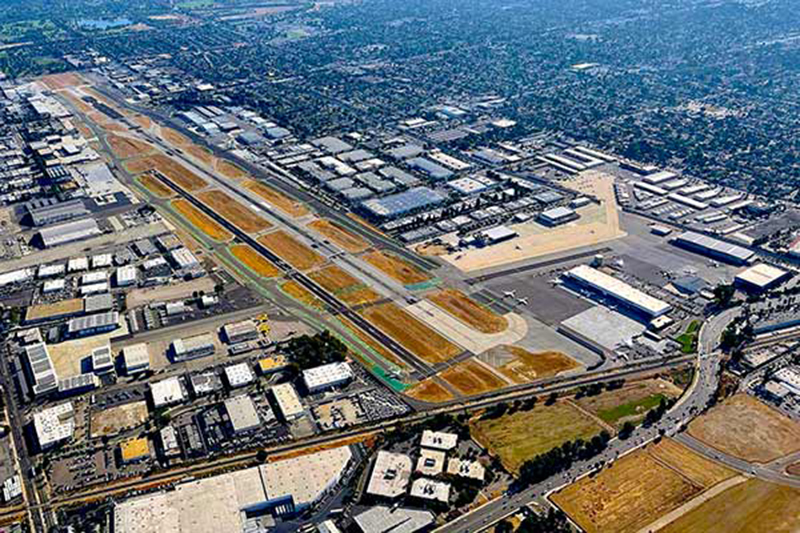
(509,294)
(522,301)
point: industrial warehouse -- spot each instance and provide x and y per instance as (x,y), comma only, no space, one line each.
(620,291)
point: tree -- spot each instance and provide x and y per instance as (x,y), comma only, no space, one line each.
(310,351)
(723,295)
(626,430)
(551,399)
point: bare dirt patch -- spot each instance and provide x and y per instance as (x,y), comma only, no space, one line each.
(429,390)
(170,168)
(201,221)
(291,250)
(343,238)
(525,366)
(255,261)
(468,311)
(396,268)
(748,429)
(470,378)
(156,186)
(236,213)
(301,294)
(344,286)
(278,199)
(415,336)
(125,148)
(117,419)
(639,488)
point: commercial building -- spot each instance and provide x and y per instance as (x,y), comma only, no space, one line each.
(53,285)
(429,168)
(193,347)
(98,303)
(102,359)
(760,277)
(789,377)
(384,519)
(271,364)
(136,358)
(54,424)
(78,264)
(390,475)
(714,248)
(402,203)
(601,330)
(55,213)
(134,450)
(465,468)
(429,489)
(430,462)
(497,235)
(77,384)
(327,376)
(169,442)
(239,375)
(287,401)
(205,383)
(246,330)
(167,392)
(42,372)
(49,271)
(557,216)
(225,503)
(438,440)
(93,324)
(183,259)
(242,414)
(126,276)
(620,291)
(70,232)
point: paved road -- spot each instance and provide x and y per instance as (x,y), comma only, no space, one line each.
(693,401)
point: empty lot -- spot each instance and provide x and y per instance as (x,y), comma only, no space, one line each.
(748,429)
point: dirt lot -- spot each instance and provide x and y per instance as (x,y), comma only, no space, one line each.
(61,81)
(752,507)
(746,428)
(291,250)
(395,267)
(344,286)
(301,294)
(468,311)
(522,366)
(201,221)
(629,403)
(229,170)
(156,186)
(166,293)
(518,437)
(281,201)
(639,488)
(125,148)
(236,213)
(198,152)
(345,239)
(173,137)
(64,307)
(415,336)
(254,261)
(171,169)
(429,391)
(471,377)
(116,419)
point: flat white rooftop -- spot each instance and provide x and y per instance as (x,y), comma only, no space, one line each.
(619,289)
(761,275)
(439,440)
(390,475)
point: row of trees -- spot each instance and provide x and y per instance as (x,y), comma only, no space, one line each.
(560,459)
